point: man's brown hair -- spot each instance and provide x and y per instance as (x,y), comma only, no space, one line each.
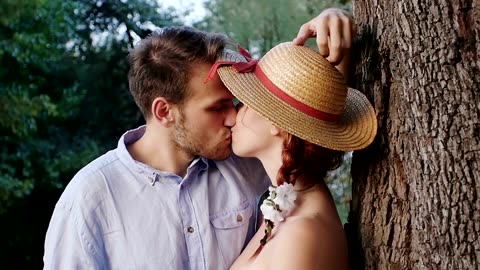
(161,64)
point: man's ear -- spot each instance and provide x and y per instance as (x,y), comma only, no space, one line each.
(162,111)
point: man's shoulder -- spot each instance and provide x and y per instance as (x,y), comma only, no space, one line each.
(248,171)
(241,164)
(96,169)
(89,181)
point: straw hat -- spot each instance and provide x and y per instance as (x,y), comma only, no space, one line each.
(302,93)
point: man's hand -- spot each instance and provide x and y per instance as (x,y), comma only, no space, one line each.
(334,29)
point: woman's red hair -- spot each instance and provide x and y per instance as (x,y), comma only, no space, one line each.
(302,158)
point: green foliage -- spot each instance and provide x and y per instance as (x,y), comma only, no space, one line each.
(26,52)
(340,184)
(260,25)
(64,100)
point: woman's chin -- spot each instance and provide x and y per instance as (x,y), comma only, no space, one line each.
(238,151)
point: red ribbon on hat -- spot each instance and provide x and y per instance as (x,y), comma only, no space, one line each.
(251,66)
(240,67)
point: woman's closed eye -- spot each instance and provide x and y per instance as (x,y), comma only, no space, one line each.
(238,106)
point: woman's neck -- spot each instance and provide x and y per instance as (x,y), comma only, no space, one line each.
(272,161)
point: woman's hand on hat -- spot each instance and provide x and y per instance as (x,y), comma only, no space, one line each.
(334,30)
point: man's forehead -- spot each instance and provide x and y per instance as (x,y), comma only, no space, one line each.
(200,69)
(212,98)
(211,91)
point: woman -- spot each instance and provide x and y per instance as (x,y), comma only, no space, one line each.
(298,119)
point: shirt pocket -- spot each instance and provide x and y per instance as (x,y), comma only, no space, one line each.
(231,229)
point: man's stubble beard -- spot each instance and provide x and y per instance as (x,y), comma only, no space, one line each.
(193,145)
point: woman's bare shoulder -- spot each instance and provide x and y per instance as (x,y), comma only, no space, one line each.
(310,243)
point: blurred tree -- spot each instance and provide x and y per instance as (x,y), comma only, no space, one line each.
(27,49)
(340,184)
(260,25)
(63,101)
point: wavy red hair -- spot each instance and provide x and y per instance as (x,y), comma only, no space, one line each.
(306,161)
(302,158)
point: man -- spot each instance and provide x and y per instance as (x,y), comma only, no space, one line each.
(171,196)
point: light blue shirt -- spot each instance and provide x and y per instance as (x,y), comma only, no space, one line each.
(117,213)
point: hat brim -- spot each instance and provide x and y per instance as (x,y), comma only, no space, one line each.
(355,129)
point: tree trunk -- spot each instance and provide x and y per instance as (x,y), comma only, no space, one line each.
(416,191)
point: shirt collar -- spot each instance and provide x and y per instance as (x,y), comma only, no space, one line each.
(131,136)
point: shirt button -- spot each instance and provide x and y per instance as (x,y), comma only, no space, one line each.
(190,230)
(239,218)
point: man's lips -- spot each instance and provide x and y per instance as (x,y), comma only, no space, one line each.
(229,136)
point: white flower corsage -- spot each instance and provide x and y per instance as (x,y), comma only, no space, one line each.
(275,208)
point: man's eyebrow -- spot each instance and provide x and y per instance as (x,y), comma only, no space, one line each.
(221,102)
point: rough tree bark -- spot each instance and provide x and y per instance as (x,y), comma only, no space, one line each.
(416,192)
